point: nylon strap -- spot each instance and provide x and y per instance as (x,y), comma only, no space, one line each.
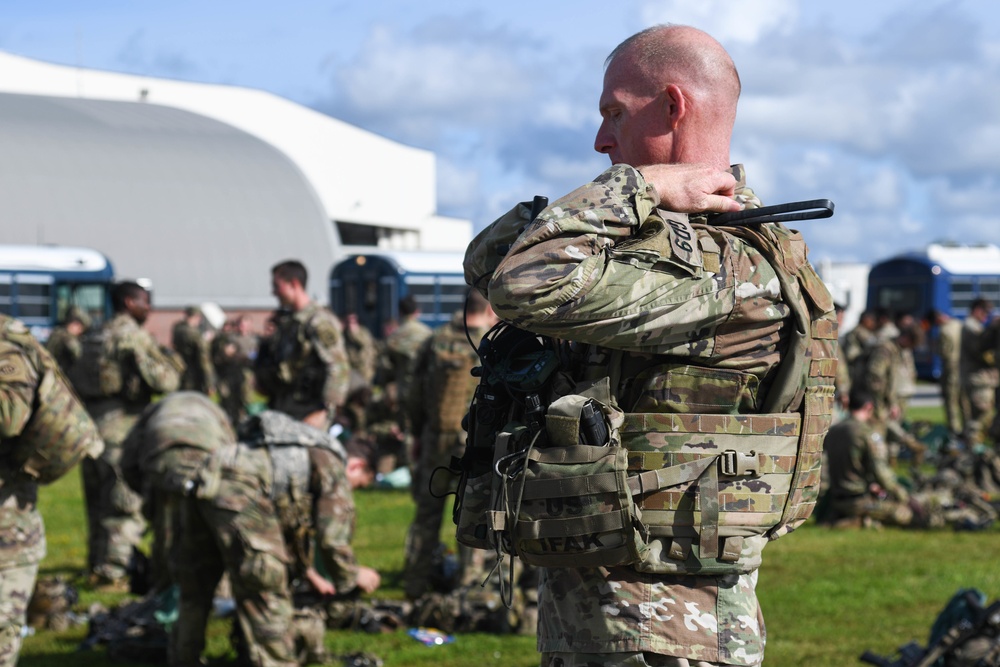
(570,526)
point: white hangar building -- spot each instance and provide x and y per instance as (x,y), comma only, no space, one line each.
(202,188)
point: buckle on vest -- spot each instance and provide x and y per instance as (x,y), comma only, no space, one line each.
(737,464)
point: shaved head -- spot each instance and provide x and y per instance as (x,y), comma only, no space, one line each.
(683,55)
(669,97)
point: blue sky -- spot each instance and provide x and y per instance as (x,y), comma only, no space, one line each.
(889,108)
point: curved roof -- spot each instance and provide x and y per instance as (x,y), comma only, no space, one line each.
(197,206)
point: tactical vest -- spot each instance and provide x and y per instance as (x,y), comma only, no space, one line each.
(59,432)
(450,381)
(687,493)
(288,442)
(97,373)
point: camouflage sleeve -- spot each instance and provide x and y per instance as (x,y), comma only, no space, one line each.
(158,368)
(18,380)
(334,519)
(328,341)
(879,458)
(877,376)
(583,266)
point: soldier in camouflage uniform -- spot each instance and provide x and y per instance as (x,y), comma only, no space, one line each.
(881,379)
(979,377)
(141,369)
(253,509)
(678,317)
(858,342)
(64,341)
(362,349)
(862,484)
(44,431)
(439,398)
(402,346)
(187,341)
(232,363)
(302,367)
(950,350)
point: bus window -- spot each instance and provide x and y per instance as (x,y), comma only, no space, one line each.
(453,297)
(6,296)
(900,299)
(34,297)
(423,291)
(962,294)
(91,298)
(989,288)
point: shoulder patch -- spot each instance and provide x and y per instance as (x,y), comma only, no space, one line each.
(14,368)
(683,240)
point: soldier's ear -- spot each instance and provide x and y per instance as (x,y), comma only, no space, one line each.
(674,105)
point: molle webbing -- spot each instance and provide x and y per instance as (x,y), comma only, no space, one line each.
(710,476)
(571,508)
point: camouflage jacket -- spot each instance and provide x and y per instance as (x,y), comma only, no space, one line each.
(362,353)
(22,534)
(857,343)
(604,266)
(64,347)
(333,518)
(199,374)
(402,346)
(974,366)
(857,457)
(881,377)
(303,367)
(311,494)
(44,432)
(146,368)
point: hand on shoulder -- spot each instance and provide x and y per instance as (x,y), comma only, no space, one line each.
(692,188)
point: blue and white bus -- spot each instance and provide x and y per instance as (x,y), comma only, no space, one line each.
(945,277)
(39,283)
(370,285)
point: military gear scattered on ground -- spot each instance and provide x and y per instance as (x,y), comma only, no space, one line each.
(130,631)
(51,605)
(965,634)
(365,659)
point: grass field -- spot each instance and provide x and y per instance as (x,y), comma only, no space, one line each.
(827,595)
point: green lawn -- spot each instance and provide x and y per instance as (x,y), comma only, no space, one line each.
(827,595)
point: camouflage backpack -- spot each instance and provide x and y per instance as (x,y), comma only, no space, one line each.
(96,374)
(450,382)
(59,433)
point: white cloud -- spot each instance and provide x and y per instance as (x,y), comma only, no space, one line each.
(746,21)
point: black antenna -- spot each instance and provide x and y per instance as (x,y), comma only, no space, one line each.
(813,209)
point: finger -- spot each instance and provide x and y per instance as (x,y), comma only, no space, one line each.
(721,204)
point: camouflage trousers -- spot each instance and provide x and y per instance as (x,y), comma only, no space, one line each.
(16,584)
(212,540)
(951,398)
(114,519)
(639,659)
(114,511)
(885,511)
(980,405)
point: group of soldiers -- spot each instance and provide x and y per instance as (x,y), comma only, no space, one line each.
(184,455)
(876,378)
